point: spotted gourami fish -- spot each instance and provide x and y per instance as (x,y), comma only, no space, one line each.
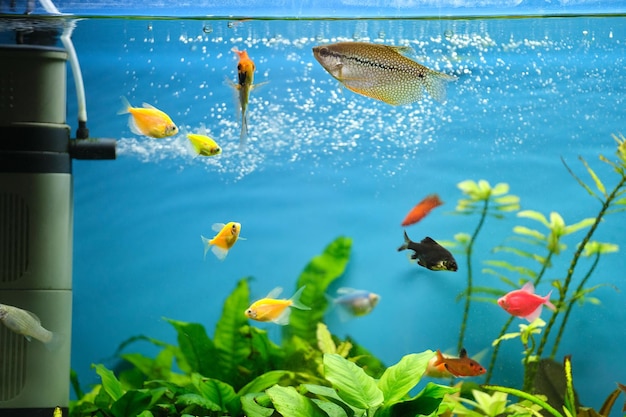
(274,310)
(26,324)
(447,367)
(245,80)
(148,121)
(227,235)
(355,302)
(422,209)
(525,303)
(381,72)
(430,254)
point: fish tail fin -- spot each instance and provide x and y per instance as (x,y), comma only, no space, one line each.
(243,137)
(55,342)
(548,303)
(207,245)
(295,300)
(405,245)
(125,106)
(436,84)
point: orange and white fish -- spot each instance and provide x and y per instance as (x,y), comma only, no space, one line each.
(226,237)
(276,311)
(245,84)
(422,208)
(148,121)
(448,367)
(381,72)
(525,303)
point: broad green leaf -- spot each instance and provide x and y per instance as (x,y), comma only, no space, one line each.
(218,392)
(525,231)
(268,379)
(321,271)
(110,383)
(132,403)
(197,400)
(491,405)
(423,404)
(331,409)
(500,189)
(484,187)
(580,225)
(353,385)
(252,408)
(331,395)
(196,347)
(534,215)
(232,349)
(288,402)
(399,379)
(325,341)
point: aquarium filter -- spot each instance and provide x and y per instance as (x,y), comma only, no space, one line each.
(36,223)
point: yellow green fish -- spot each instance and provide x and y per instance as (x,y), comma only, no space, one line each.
(276,311)
(202,144)
(381,72)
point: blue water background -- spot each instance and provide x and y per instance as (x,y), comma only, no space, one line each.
(325,162)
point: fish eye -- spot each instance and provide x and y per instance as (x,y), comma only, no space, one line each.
(239,67)
(323,51)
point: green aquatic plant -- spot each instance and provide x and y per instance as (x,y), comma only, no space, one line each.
(484,200)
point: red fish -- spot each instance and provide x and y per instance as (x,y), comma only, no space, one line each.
(420,211)
(446,367)
(525,303)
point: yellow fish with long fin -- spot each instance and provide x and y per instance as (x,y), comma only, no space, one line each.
(381,72)
(148,121)
(226,237)
(274,310)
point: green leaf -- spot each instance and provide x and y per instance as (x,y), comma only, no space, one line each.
(353,385)
(268,379)
(525,231)
(595,178)
(331,395)
(423,404)
(580,225)
(232,349)
(132,403)
(599,248)
(325,341)
(218,392)
(468,187)
(197,400)
(500,189)
(110,383)
(196,347)
(252,408)
(331,409)
(399,379)
(288,402)
(534,215)
(321,271)
(506,336)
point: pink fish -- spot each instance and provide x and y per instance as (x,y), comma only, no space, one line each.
(525,303)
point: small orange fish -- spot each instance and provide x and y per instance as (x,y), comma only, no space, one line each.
(148,121)
(420,211)
(446,367)
(245,79)
(226,237)
(276,311)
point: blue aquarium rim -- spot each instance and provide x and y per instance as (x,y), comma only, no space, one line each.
(239,9)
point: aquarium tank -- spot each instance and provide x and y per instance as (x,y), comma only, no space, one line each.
(317,208)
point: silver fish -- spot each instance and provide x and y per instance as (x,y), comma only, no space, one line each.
(381,72)
(25,323)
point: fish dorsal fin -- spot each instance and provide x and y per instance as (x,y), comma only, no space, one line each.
(220,253)
(148,106)
(275,292)
(429,241)
(346,290)
(217,227)
(529,287)
(463,353)
(403,50)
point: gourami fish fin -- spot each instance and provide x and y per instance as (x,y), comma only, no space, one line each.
(148,106)
(275,292)
(295,300)
(529,287)
(283,318)
(217,227)
(125,106)
(207,244)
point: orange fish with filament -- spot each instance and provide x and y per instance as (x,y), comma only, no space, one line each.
(420,211)
(446,367)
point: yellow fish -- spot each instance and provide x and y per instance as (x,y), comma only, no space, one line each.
(148,121)
(276,311)
(203,145)
(381,72)
(27,324)
(58,412)
(227,235)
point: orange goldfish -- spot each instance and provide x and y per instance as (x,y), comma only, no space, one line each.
(525,303)
(420,211)
(227,235)
(446,367)
(276,311)
(148,121)
(245,78)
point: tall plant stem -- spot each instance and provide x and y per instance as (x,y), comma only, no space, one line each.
(468,296)
(571,304)
(531,370)
(505,328)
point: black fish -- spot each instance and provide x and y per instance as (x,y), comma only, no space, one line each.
(430,254)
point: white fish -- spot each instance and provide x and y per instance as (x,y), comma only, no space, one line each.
(26,324)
